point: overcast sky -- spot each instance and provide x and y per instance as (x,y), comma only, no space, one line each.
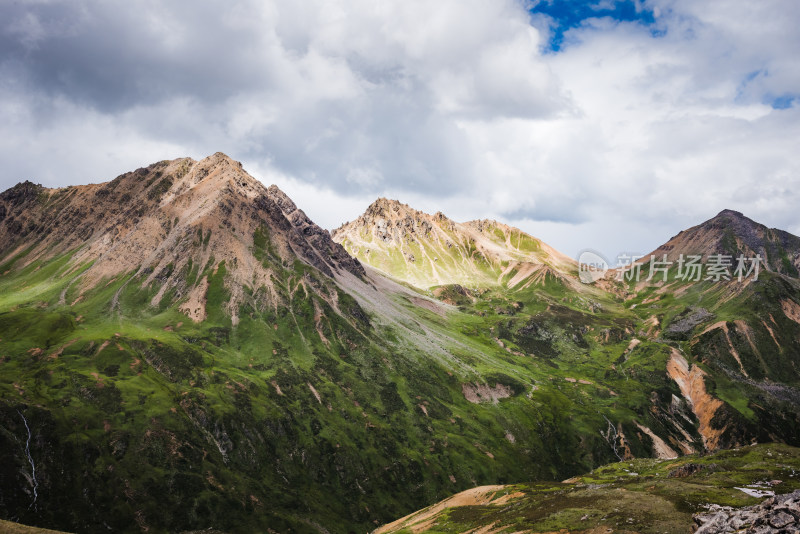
(600,124)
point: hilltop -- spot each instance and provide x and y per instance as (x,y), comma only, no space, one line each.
(636,496)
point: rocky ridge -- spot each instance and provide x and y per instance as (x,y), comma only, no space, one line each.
(779,514)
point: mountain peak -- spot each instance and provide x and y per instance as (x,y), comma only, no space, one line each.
(387,207)
(281,199)
(160,220)
(215,174)
(218,158)
(21,192)
(732,233)
(730,213)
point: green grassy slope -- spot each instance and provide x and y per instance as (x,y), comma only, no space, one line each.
(140,408)
(320,407)
(646,496)
(137,408)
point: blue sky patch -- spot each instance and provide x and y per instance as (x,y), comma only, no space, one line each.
(783,102)
(568,14)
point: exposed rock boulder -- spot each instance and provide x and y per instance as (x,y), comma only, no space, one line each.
(778,514)
(682,326)
(479,393)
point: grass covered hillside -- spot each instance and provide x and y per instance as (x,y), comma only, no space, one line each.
(645,496)
(182,338)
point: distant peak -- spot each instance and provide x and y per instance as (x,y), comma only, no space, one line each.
(394,210)
(221,156)
(28,186)
(728,217)
(388,202)
(21,191)
(385,207)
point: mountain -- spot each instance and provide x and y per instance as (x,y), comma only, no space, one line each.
(166,223)
(737,339)
(743,327)
(432,250)
(183,338)
(730,349)
(145,326)
(732,233)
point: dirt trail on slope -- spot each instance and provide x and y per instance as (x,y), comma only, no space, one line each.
(419,521)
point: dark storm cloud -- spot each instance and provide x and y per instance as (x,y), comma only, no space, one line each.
(397,144)
(360,111)
(115,55)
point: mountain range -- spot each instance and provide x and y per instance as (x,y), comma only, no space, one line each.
(183,338)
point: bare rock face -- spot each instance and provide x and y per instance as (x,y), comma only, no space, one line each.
(683,324)
(776,515)
(317,237)
(690,379)
(482,393)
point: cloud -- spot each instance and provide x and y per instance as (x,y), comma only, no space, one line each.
(319,89)
(661,113)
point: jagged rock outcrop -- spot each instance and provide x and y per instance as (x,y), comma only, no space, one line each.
(779,514)
(683,324)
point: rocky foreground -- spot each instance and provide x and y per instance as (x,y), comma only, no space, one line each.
(778,514)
